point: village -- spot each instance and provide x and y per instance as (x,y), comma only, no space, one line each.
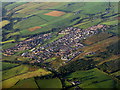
(65,47)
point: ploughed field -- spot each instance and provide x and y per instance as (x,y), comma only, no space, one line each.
(60,45)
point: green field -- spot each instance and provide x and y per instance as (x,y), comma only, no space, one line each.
(93,78)
(20,17)
(8,83)
(27,83)
(37,18)
(15,71)
(6,66)
(49,83)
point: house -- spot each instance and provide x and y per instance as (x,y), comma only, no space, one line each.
(64,58)
(75,82)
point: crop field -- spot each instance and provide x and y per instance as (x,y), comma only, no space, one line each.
(49,83)
(15,71)
(25,10)
(116,74)
(113,57)
(8,45)
(12,34)
(55,13)
(13,80)
(22,21)
(111,22)
(96,38)
(6,66)
(27,83)
(34,28)
(14,5)
(98,46)
(30,22)
(8,41)
(3,23)
(93,78)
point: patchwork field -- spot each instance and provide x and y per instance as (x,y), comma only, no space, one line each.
(95,67)
(27,83)
(49,83)
(3,23)
(12,81)
(98,46)
(55,13)
(15,71)
(97,38)
(93,78)
(6,66)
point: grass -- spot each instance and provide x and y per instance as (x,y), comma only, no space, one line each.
(116,73)
(93,78)
(0,75)
(33,21)
(110,22)
(27,83)
(6,65)
(12,34)
(97,46)
(112,57)
(8,45)
(8,41)
(9,82)
(33,8)
(21,39)
(15,71)
(67,83)
(51,59)
(3,23)
(96,38)
(13,5)
(49,83)
(12,81)
(88,23)
(54,37)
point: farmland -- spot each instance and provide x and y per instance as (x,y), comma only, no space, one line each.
(6,66)
(13,80)
(55,13)
(27,83)
(34,28)
(93,78)
(62,45)
(3,23)
(49,83)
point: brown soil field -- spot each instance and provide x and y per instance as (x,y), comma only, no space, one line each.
(97,46)
(96,38)
(113,57)
(34,28)
(55,13)
(118,18)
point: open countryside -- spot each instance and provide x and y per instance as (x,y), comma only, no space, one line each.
(66,45)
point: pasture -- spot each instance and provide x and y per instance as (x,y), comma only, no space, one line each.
(93,78)
(96,38)
(8,83)
(3,23)
(15,71)
(27,83)
(49,83)
(6,65)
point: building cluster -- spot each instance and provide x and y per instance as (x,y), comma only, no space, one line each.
(26,44)
(67,47)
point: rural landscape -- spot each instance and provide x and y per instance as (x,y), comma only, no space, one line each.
(62,45)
